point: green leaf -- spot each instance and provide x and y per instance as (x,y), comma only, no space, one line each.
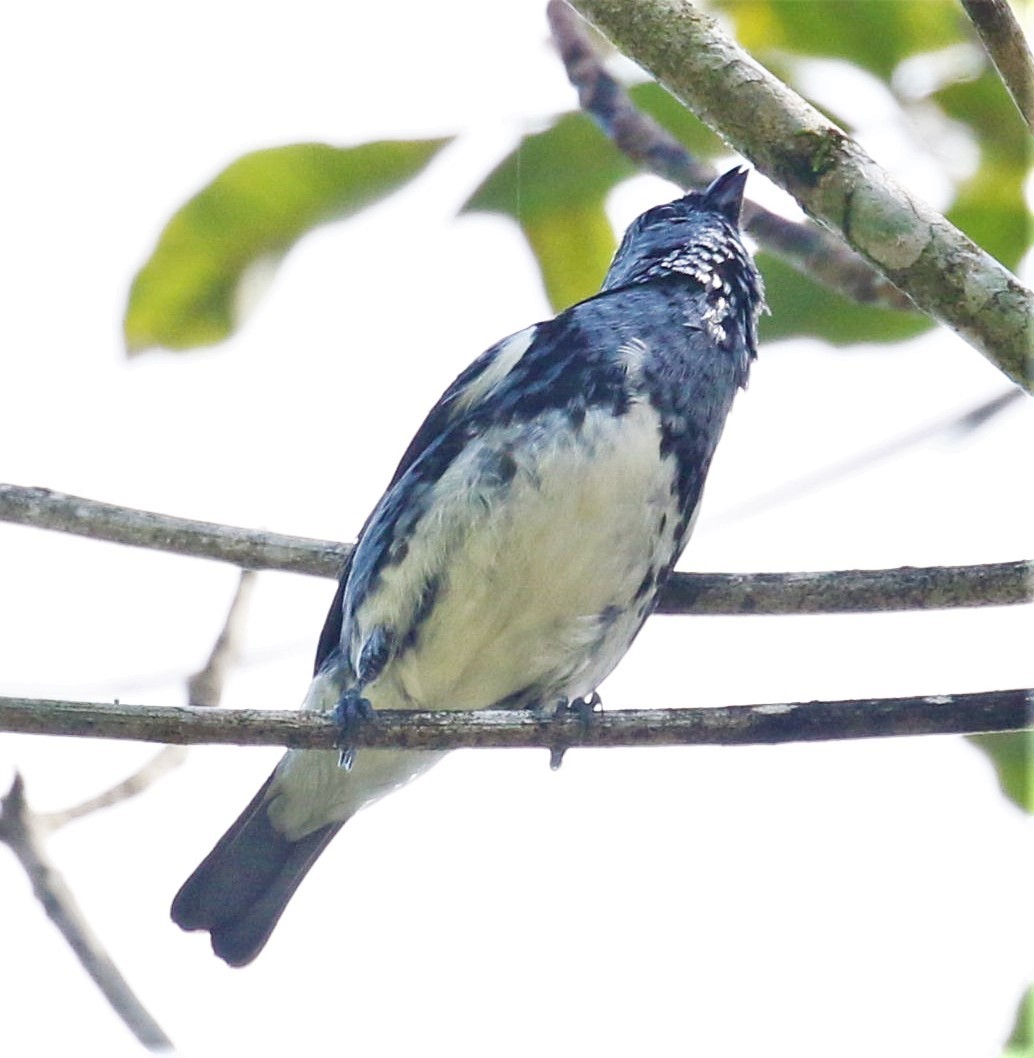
(554,185)
(186,293)
(1021,1041)
(574,247)
(556,182)
(874,34)
(984,105)
(1012,754)
(800,306)
(683,124)
(990,207)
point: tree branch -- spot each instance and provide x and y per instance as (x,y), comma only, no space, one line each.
(944,273)
(167,759)
(806,247)
(1006,710)
(951,427)
(849,590)
(842,591)
(248,548)
(25,831)
(1004,42)
(204,689)
(20,832)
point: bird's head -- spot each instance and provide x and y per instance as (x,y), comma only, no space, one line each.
(695,235)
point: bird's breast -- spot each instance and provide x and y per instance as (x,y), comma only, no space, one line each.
(532,567)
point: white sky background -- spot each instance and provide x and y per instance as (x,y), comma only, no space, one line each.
(851,899)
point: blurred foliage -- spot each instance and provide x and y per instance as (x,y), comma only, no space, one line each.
(877,36)
(686,127)
(873,34)
(186,294)
(555,183)
(991,207)
(801,307)
(1012,754)
(1021,1042)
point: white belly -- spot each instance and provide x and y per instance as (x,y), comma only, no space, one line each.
(526,573)
(538,588)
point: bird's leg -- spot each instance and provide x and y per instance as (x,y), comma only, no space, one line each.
(584,709)
(350,714)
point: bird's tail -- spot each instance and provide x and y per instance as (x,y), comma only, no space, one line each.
(241,888)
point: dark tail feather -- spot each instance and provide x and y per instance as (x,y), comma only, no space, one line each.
(241,888)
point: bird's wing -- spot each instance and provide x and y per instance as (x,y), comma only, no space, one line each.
(559,366)
(476,381)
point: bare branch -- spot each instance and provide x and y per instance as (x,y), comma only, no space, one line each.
(1003,40)
(850,590)
(1007,710)
(20,832)
(954,425)
(806,247)
(944,273)
(634,133)
(846,591)
(24,831)
(205,688)
(164,761)
(248,548)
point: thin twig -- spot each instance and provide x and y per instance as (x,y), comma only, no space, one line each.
(944,273)
(842,591)
(1003,40)
(806,247)
(25,831)
(164,761)
(793,488)
(20,832)
(205,688)
(1006,710)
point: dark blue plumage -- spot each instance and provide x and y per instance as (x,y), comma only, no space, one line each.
(523,539)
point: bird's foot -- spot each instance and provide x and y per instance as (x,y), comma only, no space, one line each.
(350,714)
(584,709)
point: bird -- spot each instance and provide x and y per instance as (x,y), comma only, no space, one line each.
(522,541)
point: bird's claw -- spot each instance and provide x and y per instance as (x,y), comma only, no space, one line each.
(584,709)
(350,714)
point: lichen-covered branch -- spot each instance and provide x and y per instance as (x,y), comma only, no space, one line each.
(806,247)
(1006,710)
(839,591)
(944,273)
